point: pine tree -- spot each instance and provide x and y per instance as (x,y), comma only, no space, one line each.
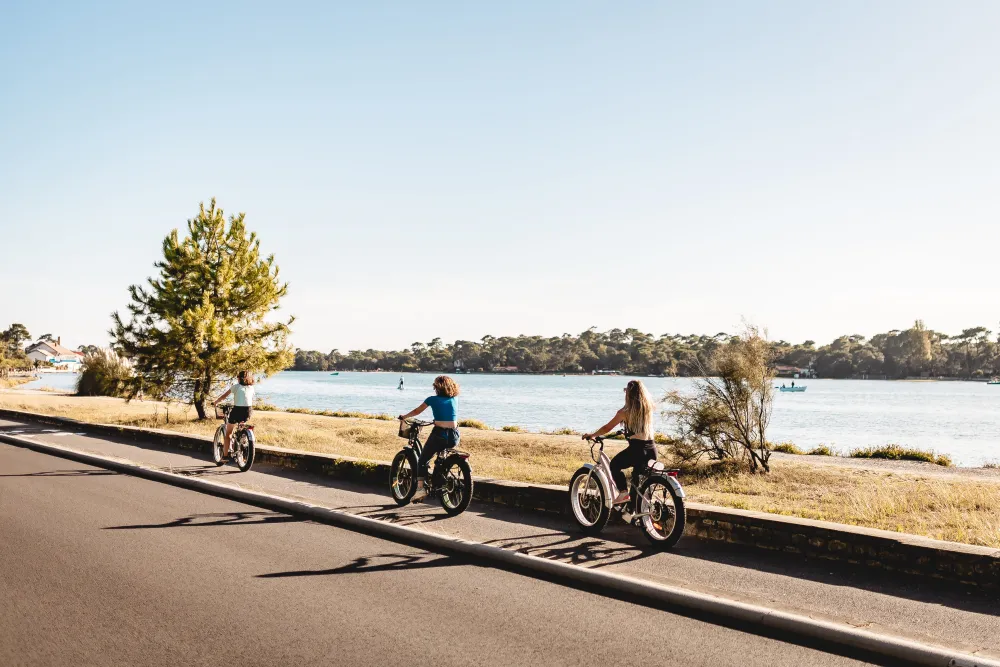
(205,316)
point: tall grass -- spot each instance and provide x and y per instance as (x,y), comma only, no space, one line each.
(104,373)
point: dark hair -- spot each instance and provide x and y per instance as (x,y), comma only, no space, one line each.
(445,386)
(245,378)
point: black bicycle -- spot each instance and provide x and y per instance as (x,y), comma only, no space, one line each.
(242,443)
(451,480)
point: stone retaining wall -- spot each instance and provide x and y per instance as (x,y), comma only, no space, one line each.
(798,538)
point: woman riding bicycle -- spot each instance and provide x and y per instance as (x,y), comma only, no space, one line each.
(637,417)
(444,435)
(243,393)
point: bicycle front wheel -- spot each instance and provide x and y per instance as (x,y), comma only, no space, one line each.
(587,501)
(217,443)
(403,476)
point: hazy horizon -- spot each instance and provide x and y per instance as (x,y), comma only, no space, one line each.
(451,170)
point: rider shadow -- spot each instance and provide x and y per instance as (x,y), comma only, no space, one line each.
(574,549)
(64,473)
(380,563)
(216,519)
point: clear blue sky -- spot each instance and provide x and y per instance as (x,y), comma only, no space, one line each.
(426,169)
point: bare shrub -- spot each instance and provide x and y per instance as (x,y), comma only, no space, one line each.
(727,415)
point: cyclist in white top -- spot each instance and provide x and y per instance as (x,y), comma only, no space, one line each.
(243,394)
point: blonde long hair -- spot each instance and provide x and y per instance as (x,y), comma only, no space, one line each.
(639,408)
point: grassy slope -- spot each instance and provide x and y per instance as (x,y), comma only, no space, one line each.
(949,507)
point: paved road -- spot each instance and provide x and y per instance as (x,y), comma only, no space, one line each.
(98,568)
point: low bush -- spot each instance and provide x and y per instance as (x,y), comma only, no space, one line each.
(897,453)
(786,448)
(473,423)
(264,406)
(821,450)
(104,373)
(340,413)
(511,428)
(562,431)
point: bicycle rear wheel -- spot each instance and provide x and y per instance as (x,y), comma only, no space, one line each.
(455,484)
(244,449)
(665,516)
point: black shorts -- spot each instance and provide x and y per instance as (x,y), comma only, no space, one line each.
(239,413)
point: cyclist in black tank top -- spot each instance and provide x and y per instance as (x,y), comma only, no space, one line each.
(637,418)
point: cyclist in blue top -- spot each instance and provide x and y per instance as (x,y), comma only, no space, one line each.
(444,435)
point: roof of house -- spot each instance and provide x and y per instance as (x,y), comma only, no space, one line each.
(56,348)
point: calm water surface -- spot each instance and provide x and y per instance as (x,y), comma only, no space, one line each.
(961,419)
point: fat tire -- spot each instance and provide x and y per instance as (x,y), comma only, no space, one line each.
(251,452)
(466,470)
(408,456)
(679,520)
(603,515)
(217,443)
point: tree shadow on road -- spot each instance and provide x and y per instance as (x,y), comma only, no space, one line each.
(380,563)
(216,519)
(64,473)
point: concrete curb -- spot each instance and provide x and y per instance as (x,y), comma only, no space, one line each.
(796,537)
(751,616)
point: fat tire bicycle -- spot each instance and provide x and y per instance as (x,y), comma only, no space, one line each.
(450,482)
(242,443)
(655,504)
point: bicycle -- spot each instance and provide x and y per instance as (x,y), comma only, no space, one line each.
(656,498)
(451,480)
(242,443)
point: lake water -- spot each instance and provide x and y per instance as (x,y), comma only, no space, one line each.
(961,419)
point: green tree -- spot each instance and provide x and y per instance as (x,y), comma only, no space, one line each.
(205,316)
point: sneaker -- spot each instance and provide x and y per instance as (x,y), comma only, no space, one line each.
(421,492)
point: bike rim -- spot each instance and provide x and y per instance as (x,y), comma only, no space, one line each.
(453,487)
(662,511)
(402,482)
(242,451)
(588,501)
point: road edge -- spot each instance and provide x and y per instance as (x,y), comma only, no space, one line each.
(744,614)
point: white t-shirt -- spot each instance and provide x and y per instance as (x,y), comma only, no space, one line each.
(242,396)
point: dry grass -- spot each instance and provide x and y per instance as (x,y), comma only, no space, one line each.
(14,381)
(945,507)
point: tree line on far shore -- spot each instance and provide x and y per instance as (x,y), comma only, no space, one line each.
(914,352)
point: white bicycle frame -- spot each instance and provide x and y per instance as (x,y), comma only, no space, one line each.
(602,470)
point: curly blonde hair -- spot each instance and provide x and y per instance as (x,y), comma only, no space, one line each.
(445,386)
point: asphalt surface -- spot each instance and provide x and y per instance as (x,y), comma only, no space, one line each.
(98,568)
(929,612)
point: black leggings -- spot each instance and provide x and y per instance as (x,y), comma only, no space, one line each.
(635,456)
(439,439)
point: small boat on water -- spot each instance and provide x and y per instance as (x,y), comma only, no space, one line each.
(794,389)
(335,373)
(994,381)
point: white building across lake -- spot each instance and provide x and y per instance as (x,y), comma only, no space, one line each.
(53,352)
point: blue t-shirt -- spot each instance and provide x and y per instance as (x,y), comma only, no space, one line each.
(445,408)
